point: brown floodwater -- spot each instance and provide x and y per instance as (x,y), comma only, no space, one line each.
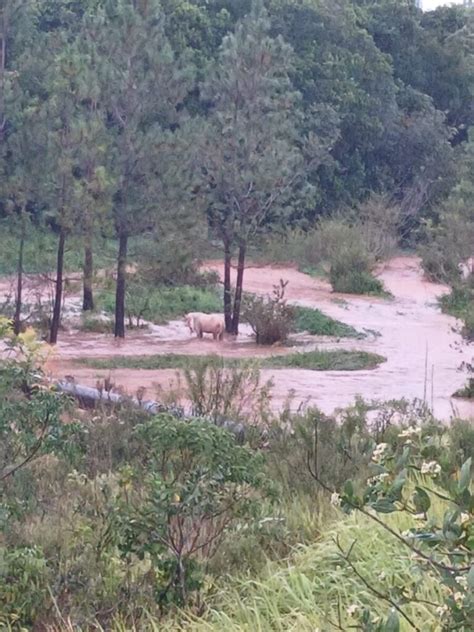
(423,347)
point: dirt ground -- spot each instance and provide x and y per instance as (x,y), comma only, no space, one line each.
(423,347)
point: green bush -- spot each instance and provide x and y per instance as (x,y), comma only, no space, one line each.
(349,281)
(24,580)
(195,483)
(271,318)
(92,324)
(318,324)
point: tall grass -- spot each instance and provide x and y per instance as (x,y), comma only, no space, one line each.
(315,587)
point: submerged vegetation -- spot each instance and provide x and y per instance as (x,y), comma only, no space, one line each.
(311,360)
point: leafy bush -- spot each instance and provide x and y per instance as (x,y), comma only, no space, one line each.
(410,478)
(350,261)
(93,324)
(195,483)
(460,303)
(271,318)
(221,393)
(355,281)
(24,580)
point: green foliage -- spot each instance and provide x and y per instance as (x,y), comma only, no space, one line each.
(270,318)
(24,579)
(92,324)
(407,477)
(162,304)
(311,360)
(460,303)
(222,394)
(318,324)
(327,360)
(196,483)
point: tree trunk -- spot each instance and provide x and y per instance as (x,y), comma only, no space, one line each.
(238,289)
(88,298)
(19,287)
(120,290)
(53,336)
(227,288)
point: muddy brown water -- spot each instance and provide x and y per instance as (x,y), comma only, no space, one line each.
(423,347)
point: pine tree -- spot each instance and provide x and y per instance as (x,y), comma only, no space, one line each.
(144,86)
(253,158)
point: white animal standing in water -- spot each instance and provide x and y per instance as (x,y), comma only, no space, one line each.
(200,324)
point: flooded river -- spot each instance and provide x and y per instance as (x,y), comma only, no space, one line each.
(423,347)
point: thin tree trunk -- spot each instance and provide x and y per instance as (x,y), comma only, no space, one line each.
(19,286)
(120,289)
(238,289)
(3,52)
(227,288)
(88,297)
(53,336)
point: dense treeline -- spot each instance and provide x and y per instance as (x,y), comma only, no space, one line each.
(144,117)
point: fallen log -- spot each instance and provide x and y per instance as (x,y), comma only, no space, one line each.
(89,397)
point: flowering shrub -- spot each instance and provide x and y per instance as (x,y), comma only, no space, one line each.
(408,478)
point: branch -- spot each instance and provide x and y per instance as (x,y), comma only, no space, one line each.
(377,593)
(427,558)
(30,456)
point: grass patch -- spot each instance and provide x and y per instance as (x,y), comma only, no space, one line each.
(310,360)
(467,392)
(326,360)
(460,304)
(314,587)
(162,304)
(357,282)
(318,324)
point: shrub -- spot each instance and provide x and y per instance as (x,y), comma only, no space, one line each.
(350,260)
(318,324)
(196,483)
(221,393)
(411,478)
(271,318)
(355,282)
(24,579)
(93,324)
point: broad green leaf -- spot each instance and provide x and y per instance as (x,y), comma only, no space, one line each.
(465,475)
(393,623)
(470,578)
(421,500)
(349,489)
(383,505)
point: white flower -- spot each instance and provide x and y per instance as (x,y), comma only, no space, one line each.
(465,518)
(352,609)
(379,452)
(430,467)
(420,516)
(379,478)
(441,610)
(461,580)
(409,432)
(335,499)
(459,598)
(382,576)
